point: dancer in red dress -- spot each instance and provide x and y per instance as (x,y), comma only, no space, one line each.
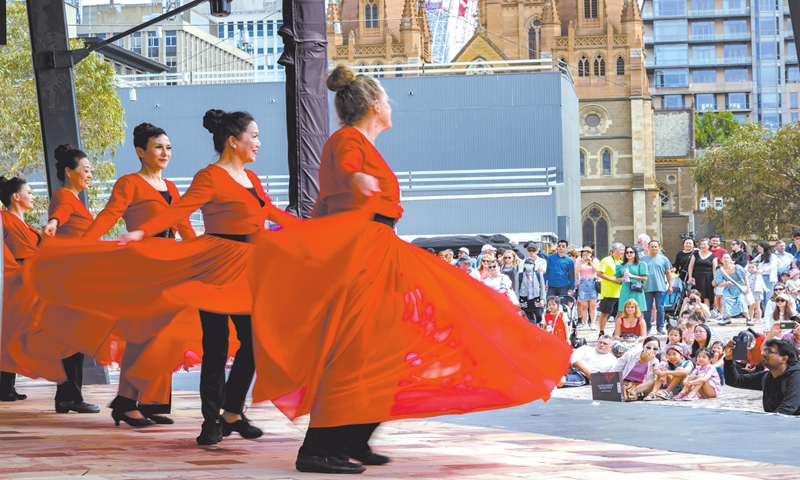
(136,198)
(392,332)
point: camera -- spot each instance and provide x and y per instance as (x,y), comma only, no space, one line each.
(685,236)
(742,340)
(692,300)
(787,325)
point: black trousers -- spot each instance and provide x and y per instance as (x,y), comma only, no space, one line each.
(533,313)
(215,392)
(70,391)
(345,440)
(7,382)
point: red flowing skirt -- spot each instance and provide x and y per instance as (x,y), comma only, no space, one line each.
(354,325)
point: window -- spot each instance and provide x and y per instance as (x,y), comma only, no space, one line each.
(793,100)
(278,24)
(620,66)
(740,117)
(733,4)
(766,5)
(606,163)
(599,67)
(793,117)
(702,30)
(589,8)
(260,28)
(670,30)
(735,51)
(736,75)
(673,101)
(533,40)
(702,5)
(767,26)
(791,50)
(665,196)
(260,51)
(250,29)
(672,78)
(767,50)
(171,42)
(270,25)
(793,75)
(583,165)
(737,101)
(171,61)
(768,75)
(136,42)
(261,67)
(705,101)
(734,26)
(704,76)
(704,55)
(583,67)
(398,72)
(769,100)
(672,54)
(595,229)
(221,30)
(270,50)
(771,120)
(231,30)
(665,8)
(371,14)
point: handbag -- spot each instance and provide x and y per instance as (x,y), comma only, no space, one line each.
(597,286)
(637,287)
(748,296)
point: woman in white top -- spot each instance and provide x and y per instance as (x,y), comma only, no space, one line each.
(496,279)
(638,364)
(767,268)
(783,309)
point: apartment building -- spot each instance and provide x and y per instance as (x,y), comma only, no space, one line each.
(716,55)
(253,27)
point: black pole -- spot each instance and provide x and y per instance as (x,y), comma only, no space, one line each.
(305,58)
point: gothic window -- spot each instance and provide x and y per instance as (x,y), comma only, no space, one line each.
(583,67)
(534,37)
(620,66)
(380,71)
(583,164)
(606,163)
(595,229)
(371,14)
(589,8)
(665,196)
(599,67)
(398,72)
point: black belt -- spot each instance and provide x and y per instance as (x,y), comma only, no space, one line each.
(236,238)
(165,234)
(19,260)
(384,219)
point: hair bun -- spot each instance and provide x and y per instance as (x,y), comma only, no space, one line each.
(212,120)
(65,151)
(142,128)
(340,78)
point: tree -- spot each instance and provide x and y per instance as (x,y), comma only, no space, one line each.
(100,113)
(713,128)
(757,173)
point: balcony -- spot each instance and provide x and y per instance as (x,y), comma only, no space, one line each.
(711,38)
(719,12)
(692,88)
(791,58)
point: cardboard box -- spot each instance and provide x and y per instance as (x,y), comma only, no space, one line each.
(607,386)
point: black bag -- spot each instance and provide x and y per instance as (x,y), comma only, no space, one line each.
(597,286)
(637,287)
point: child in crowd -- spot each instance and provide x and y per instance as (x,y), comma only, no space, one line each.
(757,286)
(793,284)
(554,319)
(719,359)
(704,380)
(672,372)
(675,338)
(686,327)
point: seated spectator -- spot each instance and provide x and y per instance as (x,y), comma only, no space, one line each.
(698,319)
(670,373)
(630,327)
(554,319)
(675,339)
(719,359)
(637,367)
(780,308)
(704,381)
(531,291)
(587,360)
(780,382)
(755,359)
(693,303)
(686,326)
(465,264)
(793,285)
(793,335)
(496,279)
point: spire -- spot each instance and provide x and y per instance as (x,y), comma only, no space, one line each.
(423,20)
(550,14)
(631,12)
(333,12)
(409,19)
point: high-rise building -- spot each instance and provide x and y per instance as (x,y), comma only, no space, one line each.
(253,27)
(715,55)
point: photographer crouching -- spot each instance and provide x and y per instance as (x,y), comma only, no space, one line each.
(780,382)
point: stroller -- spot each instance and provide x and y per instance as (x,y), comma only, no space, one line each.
(570,306)
(674,301)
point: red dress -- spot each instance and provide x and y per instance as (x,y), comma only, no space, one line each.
(392,331)
(72,215)
(555,325)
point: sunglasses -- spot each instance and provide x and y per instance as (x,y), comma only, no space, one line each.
(493,267)
(780,300)
(629,252)
(485,261)
(780,289)
(508,258)
(650,347)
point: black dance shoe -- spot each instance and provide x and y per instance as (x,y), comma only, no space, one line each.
(243,426)
(120,416)
(20,396)
(159,419)
(330,464)
(80,407)
(371,458)
(210,434)
(9,397)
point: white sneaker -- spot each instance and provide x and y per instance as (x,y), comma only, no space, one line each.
(592,327)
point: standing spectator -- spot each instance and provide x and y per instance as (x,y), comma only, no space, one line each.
(610,286)
(780,382)
(793,285)
(465,264)
(586,277)
(487,250)
(733,280)
(701,271)
(785,258)
(641,242)
(657,286)
(682,259)
(496,279)
(560,274)
(633,273)
(718,252)
(514,246)
(464,251)
(540,264)
(758,288)
(512,266)
(714,247)
(531,292)
(739,253)
(767,268)
(794,249)
(694,303)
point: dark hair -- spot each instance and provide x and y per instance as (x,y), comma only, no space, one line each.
(67,156)
(224,125)
(589,244)
(635,255)
(786,348)
(765,257)
(354,94)
(696,346)
(654,240)
(144,132)
(796,234)
(562,241)
(709,353)
(10,187)
(671,328)
(651,339)
(698,317)
(716,235)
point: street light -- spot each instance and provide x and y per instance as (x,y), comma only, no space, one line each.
(220,8)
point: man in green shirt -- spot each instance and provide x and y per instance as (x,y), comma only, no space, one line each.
(609,286)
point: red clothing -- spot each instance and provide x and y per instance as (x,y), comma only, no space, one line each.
(21,239)
(346,152)
(135,201)
(555,325)
(72,215)
(719,253)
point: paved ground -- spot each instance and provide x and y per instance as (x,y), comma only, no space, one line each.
(37,443)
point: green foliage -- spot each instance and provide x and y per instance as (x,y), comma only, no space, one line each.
(100,113)
(757,172)
(713,128)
